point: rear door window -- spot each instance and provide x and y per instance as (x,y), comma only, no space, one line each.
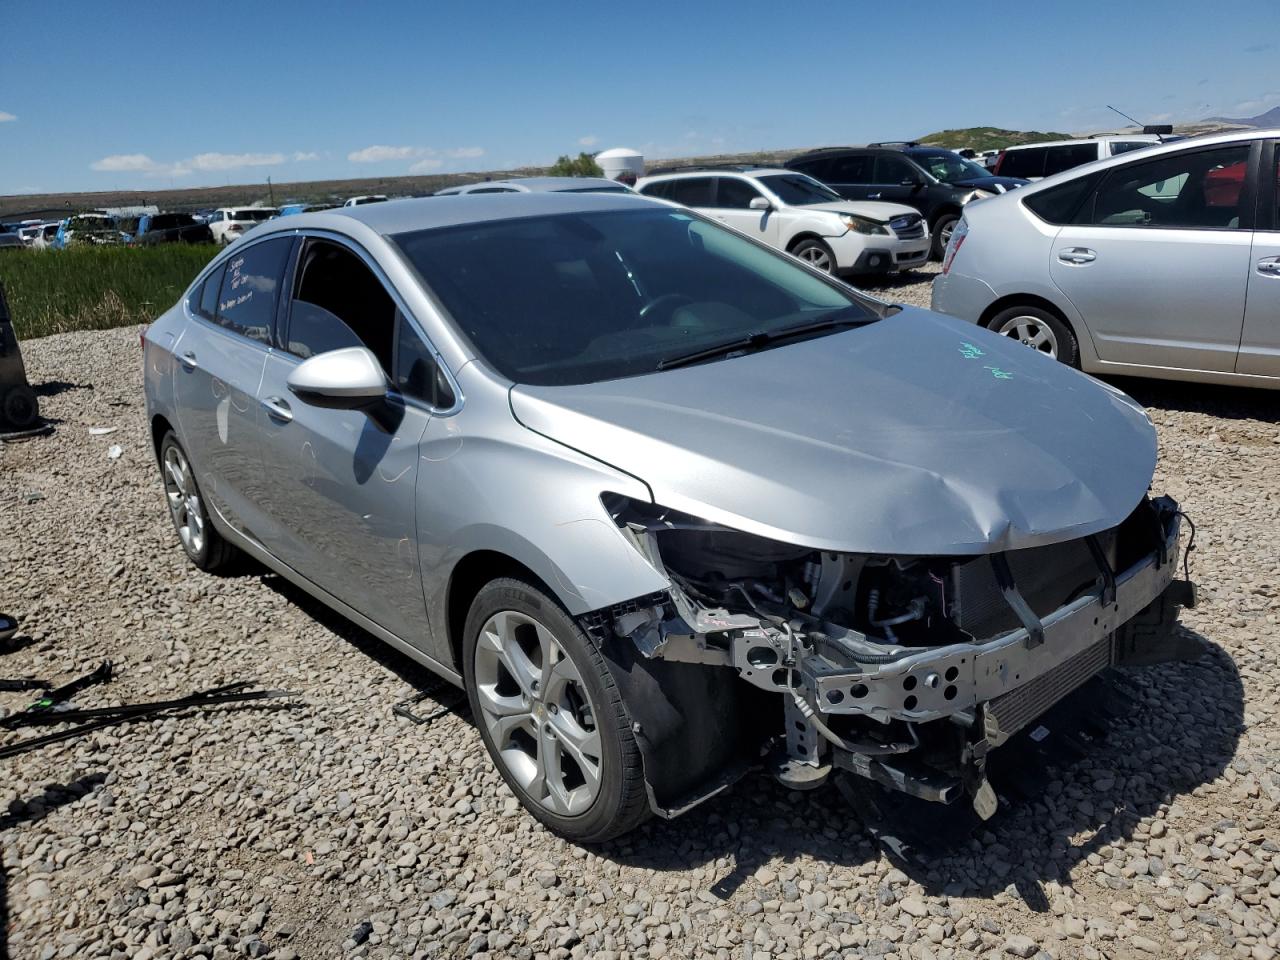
(1069,156)
(250,289)
(1028,162)
(692,191)
(851,169)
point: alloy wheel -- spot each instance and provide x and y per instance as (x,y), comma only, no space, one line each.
(184,500)
(1031,332)
(538,713)
(817,257)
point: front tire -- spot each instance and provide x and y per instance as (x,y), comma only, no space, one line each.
(550,714)
(1039,329)
(943,227)
(815,253)
(202,544)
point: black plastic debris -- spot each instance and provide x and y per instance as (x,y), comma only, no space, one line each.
(19,408)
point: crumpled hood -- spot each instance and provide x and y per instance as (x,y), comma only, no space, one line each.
(919,434)
(871,209)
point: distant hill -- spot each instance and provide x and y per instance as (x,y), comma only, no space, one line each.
(1269,119)
(987,138)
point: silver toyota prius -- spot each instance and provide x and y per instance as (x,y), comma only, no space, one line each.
(668,503)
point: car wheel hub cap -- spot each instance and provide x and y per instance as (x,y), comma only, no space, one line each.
(184,501)
(817,257)
(535,707)
(1031,332)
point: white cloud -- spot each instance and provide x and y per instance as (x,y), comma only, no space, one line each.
(380,154)
(125,162)
(590,140)
(6,117)
(465,153)
(233,161)
(202,162)
(299,156)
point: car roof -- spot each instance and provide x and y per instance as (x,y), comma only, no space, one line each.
(1101,138)
(713,172)
(425,213)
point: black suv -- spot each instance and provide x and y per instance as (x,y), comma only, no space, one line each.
(935,181)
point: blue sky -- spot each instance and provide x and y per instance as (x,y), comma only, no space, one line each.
(111,94)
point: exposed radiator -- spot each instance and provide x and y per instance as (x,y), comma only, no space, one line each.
(1016,709)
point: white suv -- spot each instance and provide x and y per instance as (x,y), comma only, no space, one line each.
(807,219)
(1034,161)
(229,224)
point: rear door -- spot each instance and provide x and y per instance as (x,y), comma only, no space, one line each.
(221,355)
(1025,162)
(343,499)
(1157,265)
(848,175)
(1260,341)
(732,205)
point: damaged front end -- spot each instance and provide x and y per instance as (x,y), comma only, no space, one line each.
(906,670)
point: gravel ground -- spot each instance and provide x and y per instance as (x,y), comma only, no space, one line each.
(333,828)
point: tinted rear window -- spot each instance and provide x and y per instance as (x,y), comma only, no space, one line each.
(1023,163)
(1069,156)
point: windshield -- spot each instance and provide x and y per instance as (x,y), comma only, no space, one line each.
(586,297)
(90,223)
(256,214)
(950,167)
(797,190)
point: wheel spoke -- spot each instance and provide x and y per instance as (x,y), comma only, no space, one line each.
(498,706)
(499,636)
(583,746)
(1024,330)
(550,770)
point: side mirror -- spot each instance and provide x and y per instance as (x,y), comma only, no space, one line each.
(760,203)
(346,379)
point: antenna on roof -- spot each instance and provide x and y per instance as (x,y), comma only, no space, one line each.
(1159,130)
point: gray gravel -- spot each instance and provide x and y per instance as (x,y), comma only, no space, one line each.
(335,829)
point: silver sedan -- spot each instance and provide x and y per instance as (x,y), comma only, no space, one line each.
(659,496)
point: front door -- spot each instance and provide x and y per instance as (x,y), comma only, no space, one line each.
(1157,269)
(733,198)
(898,181)
(343,482)
(1260,342)
(221,356)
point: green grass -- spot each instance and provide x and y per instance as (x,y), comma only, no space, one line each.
(988,138)
(95,288)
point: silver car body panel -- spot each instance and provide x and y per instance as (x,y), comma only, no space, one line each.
(796,443)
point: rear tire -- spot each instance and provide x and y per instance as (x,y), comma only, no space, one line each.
(200,541)
(815,253)
(1039,329)
(550,714)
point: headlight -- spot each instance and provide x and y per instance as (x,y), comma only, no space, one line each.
(863,225)
(978,195)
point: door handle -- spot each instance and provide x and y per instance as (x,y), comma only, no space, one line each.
(277,409)
(1270,266)
(1077,255)
(188,360)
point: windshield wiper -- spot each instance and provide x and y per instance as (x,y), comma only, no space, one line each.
(752,342)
